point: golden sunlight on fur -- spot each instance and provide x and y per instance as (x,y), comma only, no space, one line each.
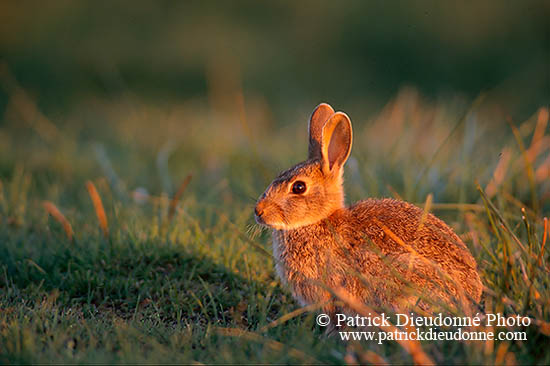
(389,253)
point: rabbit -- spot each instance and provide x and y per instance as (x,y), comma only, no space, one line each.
(387,253)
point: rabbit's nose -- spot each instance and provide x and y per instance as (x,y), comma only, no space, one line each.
(259,209)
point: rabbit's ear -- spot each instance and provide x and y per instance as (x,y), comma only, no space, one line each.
(318,118)
(336,142)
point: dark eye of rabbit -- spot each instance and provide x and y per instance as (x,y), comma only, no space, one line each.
(298,187)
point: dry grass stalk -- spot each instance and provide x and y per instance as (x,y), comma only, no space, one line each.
(273,345)
(543,171)
(394,193)
(501,353)
(427,207)
(544,327)
(536,145)
(538,148)
(59,217)
(529,170)
(545,235)
(370,357)
(177,196)
(489,346)
(412,347)
(35,265)
(291,315)
(98,206)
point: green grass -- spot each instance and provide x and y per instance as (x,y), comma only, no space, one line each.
(156,289)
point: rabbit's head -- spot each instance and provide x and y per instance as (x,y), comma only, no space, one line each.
(311,190)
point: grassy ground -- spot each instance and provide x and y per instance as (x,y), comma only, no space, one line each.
(159,276)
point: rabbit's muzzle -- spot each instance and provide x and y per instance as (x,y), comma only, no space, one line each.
(268,213)
(258,212)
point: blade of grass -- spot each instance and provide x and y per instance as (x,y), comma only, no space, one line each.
(500,218)
(177,197)
(33,263)
(56,214)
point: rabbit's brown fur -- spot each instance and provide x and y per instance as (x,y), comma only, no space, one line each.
(388,253)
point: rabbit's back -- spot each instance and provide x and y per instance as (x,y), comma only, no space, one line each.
(399,229)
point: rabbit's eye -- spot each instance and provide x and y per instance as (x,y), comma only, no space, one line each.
(298,187)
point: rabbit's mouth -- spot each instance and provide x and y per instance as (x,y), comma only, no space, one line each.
(259,220)
(271,215)
(272,224)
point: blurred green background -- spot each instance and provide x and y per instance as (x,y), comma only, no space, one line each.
(355,54)
(199,84)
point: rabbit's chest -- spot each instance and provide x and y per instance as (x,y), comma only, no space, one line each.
(304,258)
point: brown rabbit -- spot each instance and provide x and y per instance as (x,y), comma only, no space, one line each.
(388,253)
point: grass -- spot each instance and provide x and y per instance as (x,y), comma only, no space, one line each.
(111,252)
